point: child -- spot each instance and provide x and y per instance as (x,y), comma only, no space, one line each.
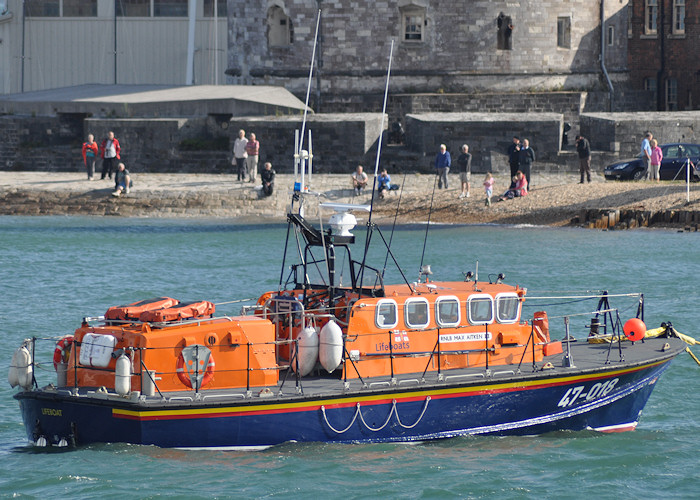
(488,187)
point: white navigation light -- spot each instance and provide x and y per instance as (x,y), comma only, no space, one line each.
(342,221)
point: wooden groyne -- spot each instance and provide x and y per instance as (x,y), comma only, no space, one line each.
(605,218)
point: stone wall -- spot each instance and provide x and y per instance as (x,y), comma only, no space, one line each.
(623,132)
(156,145)
(488,136)
(340,141)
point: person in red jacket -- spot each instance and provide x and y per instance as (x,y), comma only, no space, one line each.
(110,150)
(90,155)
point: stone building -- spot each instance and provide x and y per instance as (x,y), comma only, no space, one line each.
(664,56)
(446,46)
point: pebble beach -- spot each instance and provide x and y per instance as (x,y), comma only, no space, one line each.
(554,199)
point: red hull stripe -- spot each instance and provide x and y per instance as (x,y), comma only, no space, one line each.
(147,415)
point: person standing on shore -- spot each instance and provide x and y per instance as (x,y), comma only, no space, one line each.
(464,161)
(252,149)
(646,153)
(526,157)
(90,151)
(583,148)
(655,160)
(489,181)
(514,156)
(239,155)
(443,161)
(111,153)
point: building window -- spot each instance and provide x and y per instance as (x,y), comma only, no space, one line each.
(671,94)
(133,8)
(42,8)
(505,32)
(564,32)
(650,85)
(57,8)
(630,16)
(79,8)
(651,11)
(221,10)
(678,17)
(169,8)
(280,31)
(610,40)
(413,23)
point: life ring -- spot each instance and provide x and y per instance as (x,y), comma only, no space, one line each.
(62,352)
(182,373)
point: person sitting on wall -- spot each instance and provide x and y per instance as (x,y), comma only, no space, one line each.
(384,183)
(122,179)
(268,179)
(359,180)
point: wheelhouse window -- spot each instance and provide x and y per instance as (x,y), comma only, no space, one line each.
(385,315)
(280,31)
(480,309)
(416,313)
(678,17)
(447,311)
(507,308)
(651,12)
(564,32)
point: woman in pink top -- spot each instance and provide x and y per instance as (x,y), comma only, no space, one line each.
(656,157)
(520,188)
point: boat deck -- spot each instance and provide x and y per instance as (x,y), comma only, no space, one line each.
(587,358)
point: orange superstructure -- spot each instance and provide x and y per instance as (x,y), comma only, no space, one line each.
(235,344)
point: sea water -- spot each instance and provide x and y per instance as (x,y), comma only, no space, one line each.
(55,270)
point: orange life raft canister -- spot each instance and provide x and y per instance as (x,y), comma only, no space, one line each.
(191,310)
(132,312)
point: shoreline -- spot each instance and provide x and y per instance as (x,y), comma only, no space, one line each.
(554,200)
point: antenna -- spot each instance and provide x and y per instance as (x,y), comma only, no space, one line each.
(376,166)
(308,86)
(381,130)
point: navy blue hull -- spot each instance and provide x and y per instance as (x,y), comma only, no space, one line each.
(605,400)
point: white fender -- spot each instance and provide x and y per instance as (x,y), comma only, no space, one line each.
(308,351)
(21,369)
(12,376)
(330,350)
(122,375)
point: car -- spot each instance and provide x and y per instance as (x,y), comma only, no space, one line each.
(673,164)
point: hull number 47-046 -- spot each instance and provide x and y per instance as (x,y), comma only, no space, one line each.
(577,393)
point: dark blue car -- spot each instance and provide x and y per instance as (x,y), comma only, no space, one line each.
(673,164)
